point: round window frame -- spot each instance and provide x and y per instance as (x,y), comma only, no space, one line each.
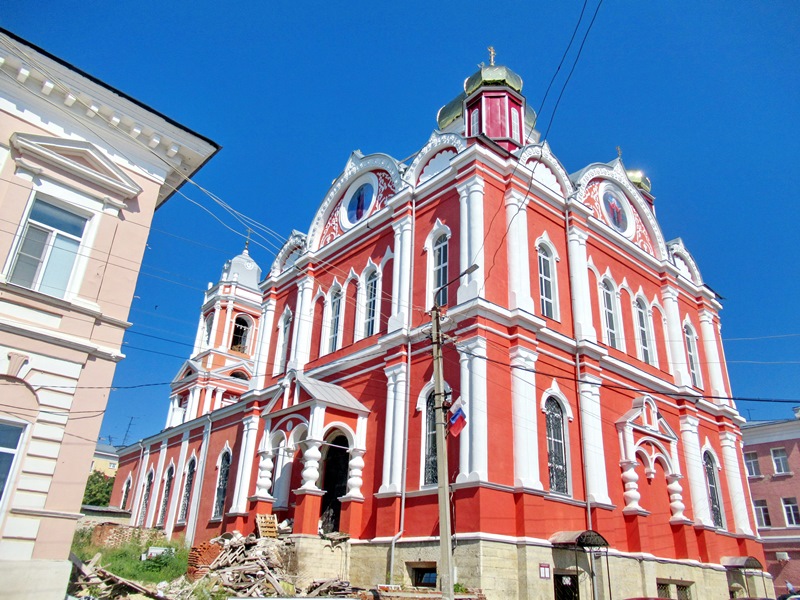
(344,218)
(608,186)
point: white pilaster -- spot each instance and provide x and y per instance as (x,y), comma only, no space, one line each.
(399,434)
(730,457)
(215,324)
(477,440)
(679,367)
(311,458)
(198,339)
(694,470)
(594,454)
(244,471)
(579,278)
(519,268)
(464,438)
(401,305)
(175,501)
(223,343)
(194,505)
(709,335)
(471,234)
(524,415)
(301,342)
(258,382)
(192,403)
(388,433)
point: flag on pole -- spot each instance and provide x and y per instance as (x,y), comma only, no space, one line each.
(457,419)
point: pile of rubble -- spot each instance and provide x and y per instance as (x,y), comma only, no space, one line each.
(253,567)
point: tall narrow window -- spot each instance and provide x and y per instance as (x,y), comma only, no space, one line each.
(515,125)
(431,473)
(713,489)
(610,315)
(187,490)
(241,333)
(209,324)
(475,122)
(691,351)
(148,489)
(50,244)
(10,436)
(283,343)
(642,323)
(371,305)
(222,485)
(336,306)
(556,450)
(162,513)
(546,287)
(440,264)
(126,490)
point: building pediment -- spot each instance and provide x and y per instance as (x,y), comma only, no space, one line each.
(82,160)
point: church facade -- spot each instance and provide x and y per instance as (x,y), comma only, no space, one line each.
(602,451)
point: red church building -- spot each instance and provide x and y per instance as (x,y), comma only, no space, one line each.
(601,455)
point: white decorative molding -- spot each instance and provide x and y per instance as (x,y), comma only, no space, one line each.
(541,154)
(437,143)
(288,254)
(684,261)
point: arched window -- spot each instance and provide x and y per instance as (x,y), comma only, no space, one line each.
(148,488)
(126,490)
(222,484)
(546,281)
(556,449)
(440,268)
(610,314)
(431,475)
(713,489)
(371,304)
(187,490)
(475,122)
(283,342)
(162,513)
(241,333)
(643,327)
(336,309)
(239,375)
(691,353)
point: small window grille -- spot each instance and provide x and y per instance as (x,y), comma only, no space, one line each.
(371,304)
(222,485)
(556,452)
(336,304)
(431,472)
(187,491)
(148,488)
(713,490)
(440,267)
(162,513)
(546,295)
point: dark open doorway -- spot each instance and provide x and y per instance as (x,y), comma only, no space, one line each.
(334,482)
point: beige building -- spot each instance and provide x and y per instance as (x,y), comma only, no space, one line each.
(83,167)
(105,460)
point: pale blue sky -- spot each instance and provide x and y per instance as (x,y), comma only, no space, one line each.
(702,96)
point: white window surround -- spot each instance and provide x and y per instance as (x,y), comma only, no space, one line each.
(780,461)
(437,231)
(330,339)
(421,407)
(77,204)
(692,353)
(218,509)
(14,465)
(613,331)
(763,518)
(544,243)
(791,512)
(708,451)
(126,492)
(554,392)
(243,331)
(146,498)
(363,302)
(187,493)
(282,342)
(167,482)
(643,330)
(751,464)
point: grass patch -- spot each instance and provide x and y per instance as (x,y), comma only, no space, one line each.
(126,562)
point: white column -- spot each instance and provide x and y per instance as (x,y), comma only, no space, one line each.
(519,268)
(471,233)
(524,415)
(477,411)
(680,369)
(215,324)
(708,333)
(197,487)
(172,415)
(266,465)
(258,382)
(733,475)
(191,404)
(401,304)
(244,471)
(594,455)
(388,433)
(399,433)
(355,469)
(464,438)
(140,483)
(198,340)
(301,343)
(223,343)
(579,282)
(311,457)
(175,501)
(694,470)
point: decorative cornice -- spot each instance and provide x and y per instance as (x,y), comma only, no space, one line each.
(436,143)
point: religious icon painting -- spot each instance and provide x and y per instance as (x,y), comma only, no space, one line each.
(616,208)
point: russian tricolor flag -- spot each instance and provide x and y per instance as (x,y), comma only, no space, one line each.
(457,418)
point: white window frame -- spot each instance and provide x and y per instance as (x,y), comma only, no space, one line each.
(16,462)
(475,121)
(167,484)
(780,460)
(247,335)
(692,354)
(643,327)
(74,202)
(791,511)
(713,484)
(282,343)
(331,340)
(421,407)
(126,492)
(751,460)
(763,520)
(439,229)
(609,311)
(546,254)
(186,494)
(515,121)
(371,303)
(145,501)
(218,508)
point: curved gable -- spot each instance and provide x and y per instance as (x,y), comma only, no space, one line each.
(289,253)
(434,157)
(642,229)
(684,262)
(385,176)
(546,169)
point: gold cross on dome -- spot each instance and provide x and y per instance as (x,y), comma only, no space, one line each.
(619,152)
(492,54)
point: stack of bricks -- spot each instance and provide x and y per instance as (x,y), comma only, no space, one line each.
(200,557)
(112,535)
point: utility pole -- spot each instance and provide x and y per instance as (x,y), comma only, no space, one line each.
(442,471)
